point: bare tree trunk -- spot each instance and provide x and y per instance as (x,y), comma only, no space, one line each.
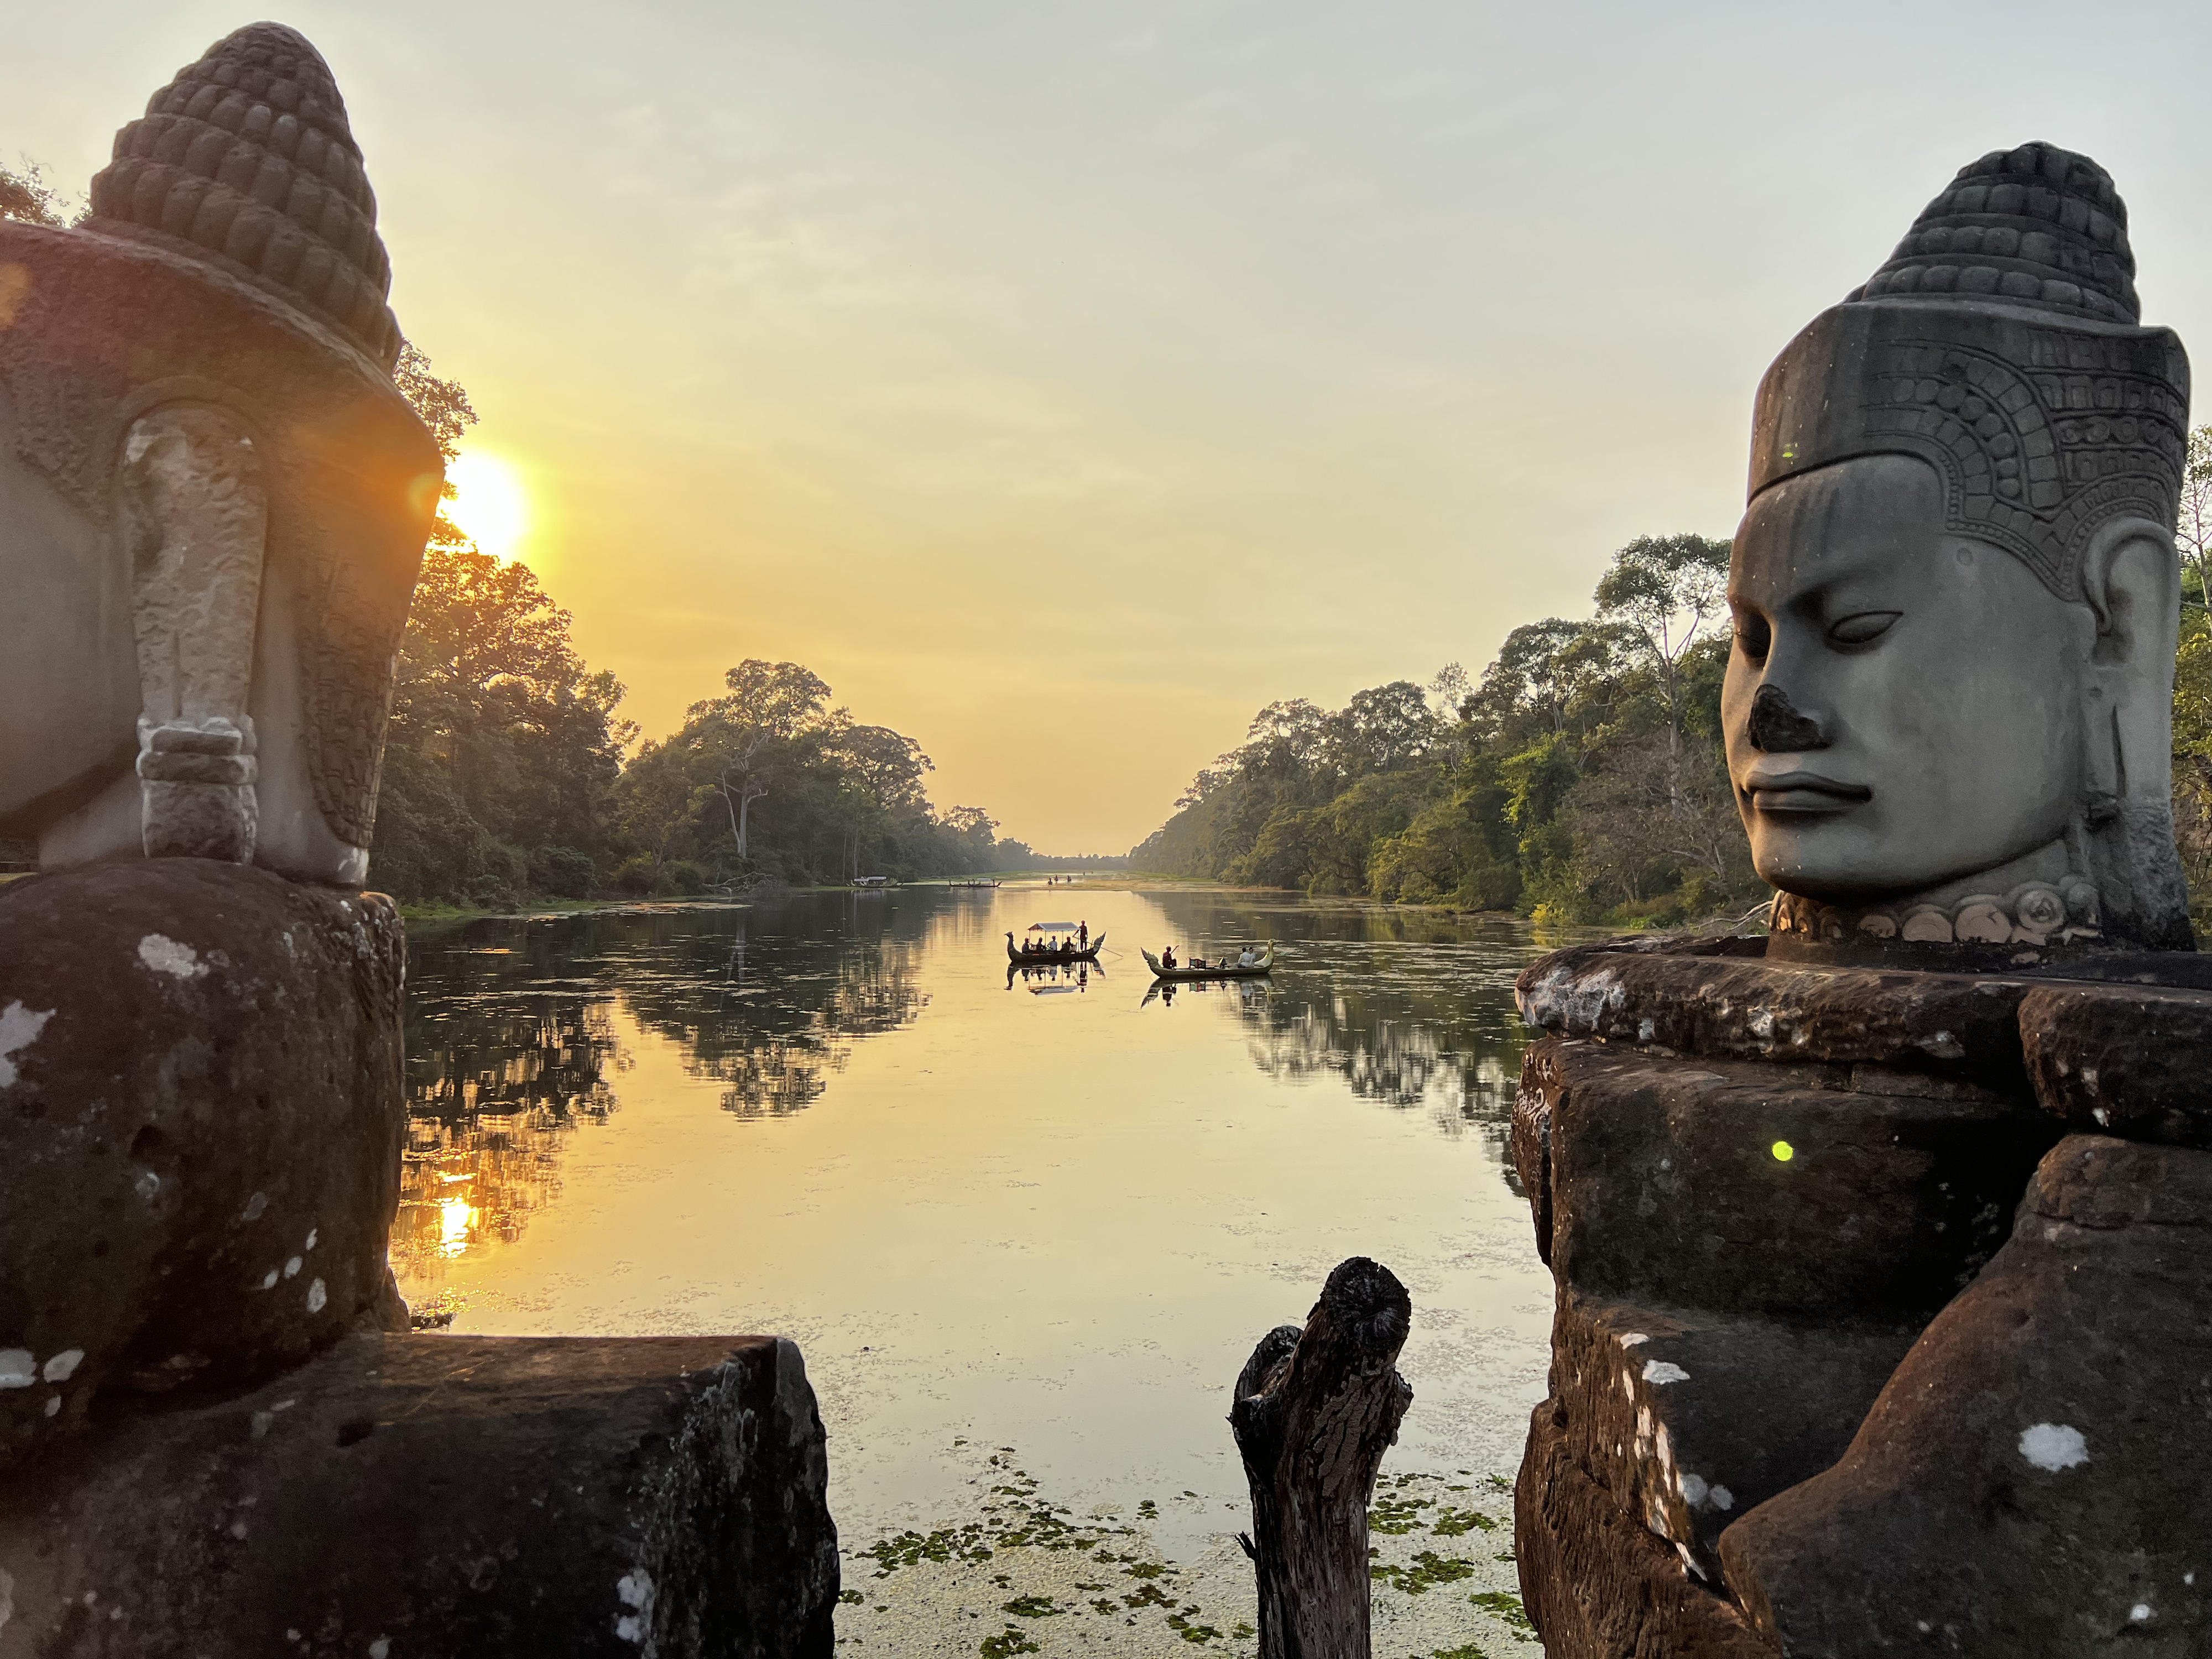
(1313,1412)
(736,829)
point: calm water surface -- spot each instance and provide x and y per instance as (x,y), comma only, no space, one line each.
(1052,1214)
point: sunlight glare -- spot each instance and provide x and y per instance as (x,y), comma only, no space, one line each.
(491,506)
(456,1217)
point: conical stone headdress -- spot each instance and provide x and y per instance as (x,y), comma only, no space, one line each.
(247,156)
(2000,344)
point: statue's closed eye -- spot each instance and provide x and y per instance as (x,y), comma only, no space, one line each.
(1865,626)
(1753,636)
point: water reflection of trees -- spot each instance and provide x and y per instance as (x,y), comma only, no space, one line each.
(512,1038)
(773,1014)
(495,1086)
(1410,1009)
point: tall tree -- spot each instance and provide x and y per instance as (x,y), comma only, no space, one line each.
(1663,591)
(753,729)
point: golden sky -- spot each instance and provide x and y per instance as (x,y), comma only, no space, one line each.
(1062,382)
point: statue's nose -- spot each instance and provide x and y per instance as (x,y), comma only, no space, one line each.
(1775,727)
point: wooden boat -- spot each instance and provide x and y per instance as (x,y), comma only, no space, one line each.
(1265,965)
(1045,958)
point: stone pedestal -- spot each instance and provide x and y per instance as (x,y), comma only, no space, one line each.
(2033,1478)
(432,1496)
(1778,1197)
(201,1119)
(213,1444)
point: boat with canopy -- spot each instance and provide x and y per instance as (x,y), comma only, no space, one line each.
(1038,952)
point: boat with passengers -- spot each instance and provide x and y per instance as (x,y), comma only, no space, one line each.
(1227,968)
(1066,949)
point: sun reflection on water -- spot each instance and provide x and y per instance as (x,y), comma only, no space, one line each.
(457,1220)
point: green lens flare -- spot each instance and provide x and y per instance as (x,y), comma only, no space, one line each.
(1783,1151)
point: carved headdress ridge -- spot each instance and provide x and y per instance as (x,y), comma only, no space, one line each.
(2000,343)
(247,161)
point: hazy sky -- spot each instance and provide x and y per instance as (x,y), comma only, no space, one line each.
(1062,382)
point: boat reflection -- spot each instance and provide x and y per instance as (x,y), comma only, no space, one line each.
(1053,978)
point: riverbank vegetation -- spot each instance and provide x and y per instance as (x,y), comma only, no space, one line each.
(1579,777)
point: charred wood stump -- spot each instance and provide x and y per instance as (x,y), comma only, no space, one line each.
(1314,1412)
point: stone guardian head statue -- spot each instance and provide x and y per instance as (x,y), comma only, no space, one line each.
(213,500)
(1948,706)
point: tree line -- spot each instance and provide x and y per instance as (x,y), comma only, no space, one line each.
(509,772)
(1579,777)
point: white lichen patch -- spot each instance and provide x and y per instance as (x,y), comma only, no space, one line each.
(19,1029)
(1659,1372)
(19,1368)
(317,1296)
(63,1366)
(164,955)
(634,1590)
(2053,1446)
(1020,1575)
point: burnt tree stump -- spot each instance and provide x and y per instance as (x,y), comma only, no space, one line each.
(1314,1412)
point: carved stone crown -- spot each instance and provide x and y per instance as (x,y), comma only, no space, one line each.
(247,156)
(1998,345)
(2037,225)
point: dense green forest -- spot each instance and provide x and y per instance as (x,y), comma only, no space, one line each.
(1580,777)
(508,771)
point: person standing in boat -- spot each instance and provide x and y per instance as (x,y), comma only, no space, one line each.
(1083,936)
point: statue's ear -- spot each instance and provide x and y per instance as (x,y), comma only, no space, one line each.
(2131,582)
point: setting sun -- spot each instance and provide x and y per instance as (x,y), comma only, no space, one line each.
(490,506)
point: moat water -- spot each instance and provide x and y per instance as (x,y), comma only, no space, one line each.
(1051,1214)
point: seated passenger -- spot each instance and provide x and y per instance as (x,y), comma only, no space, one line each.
(1167,958)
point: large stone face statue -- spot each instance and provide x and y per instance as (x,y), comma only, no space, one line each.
(213,502)
(1949,704)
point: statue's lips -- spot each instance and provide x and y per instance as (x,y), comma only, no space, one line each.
(1803,791)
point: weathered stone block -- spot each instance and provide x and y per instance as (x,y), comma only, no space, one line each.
(1596,1583)
(2123,1060)
(1532,1152)
(201,1120)
(2033,1479)
(425,1496)
(1792,1193)
(1724,1008)
(1687,1419)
